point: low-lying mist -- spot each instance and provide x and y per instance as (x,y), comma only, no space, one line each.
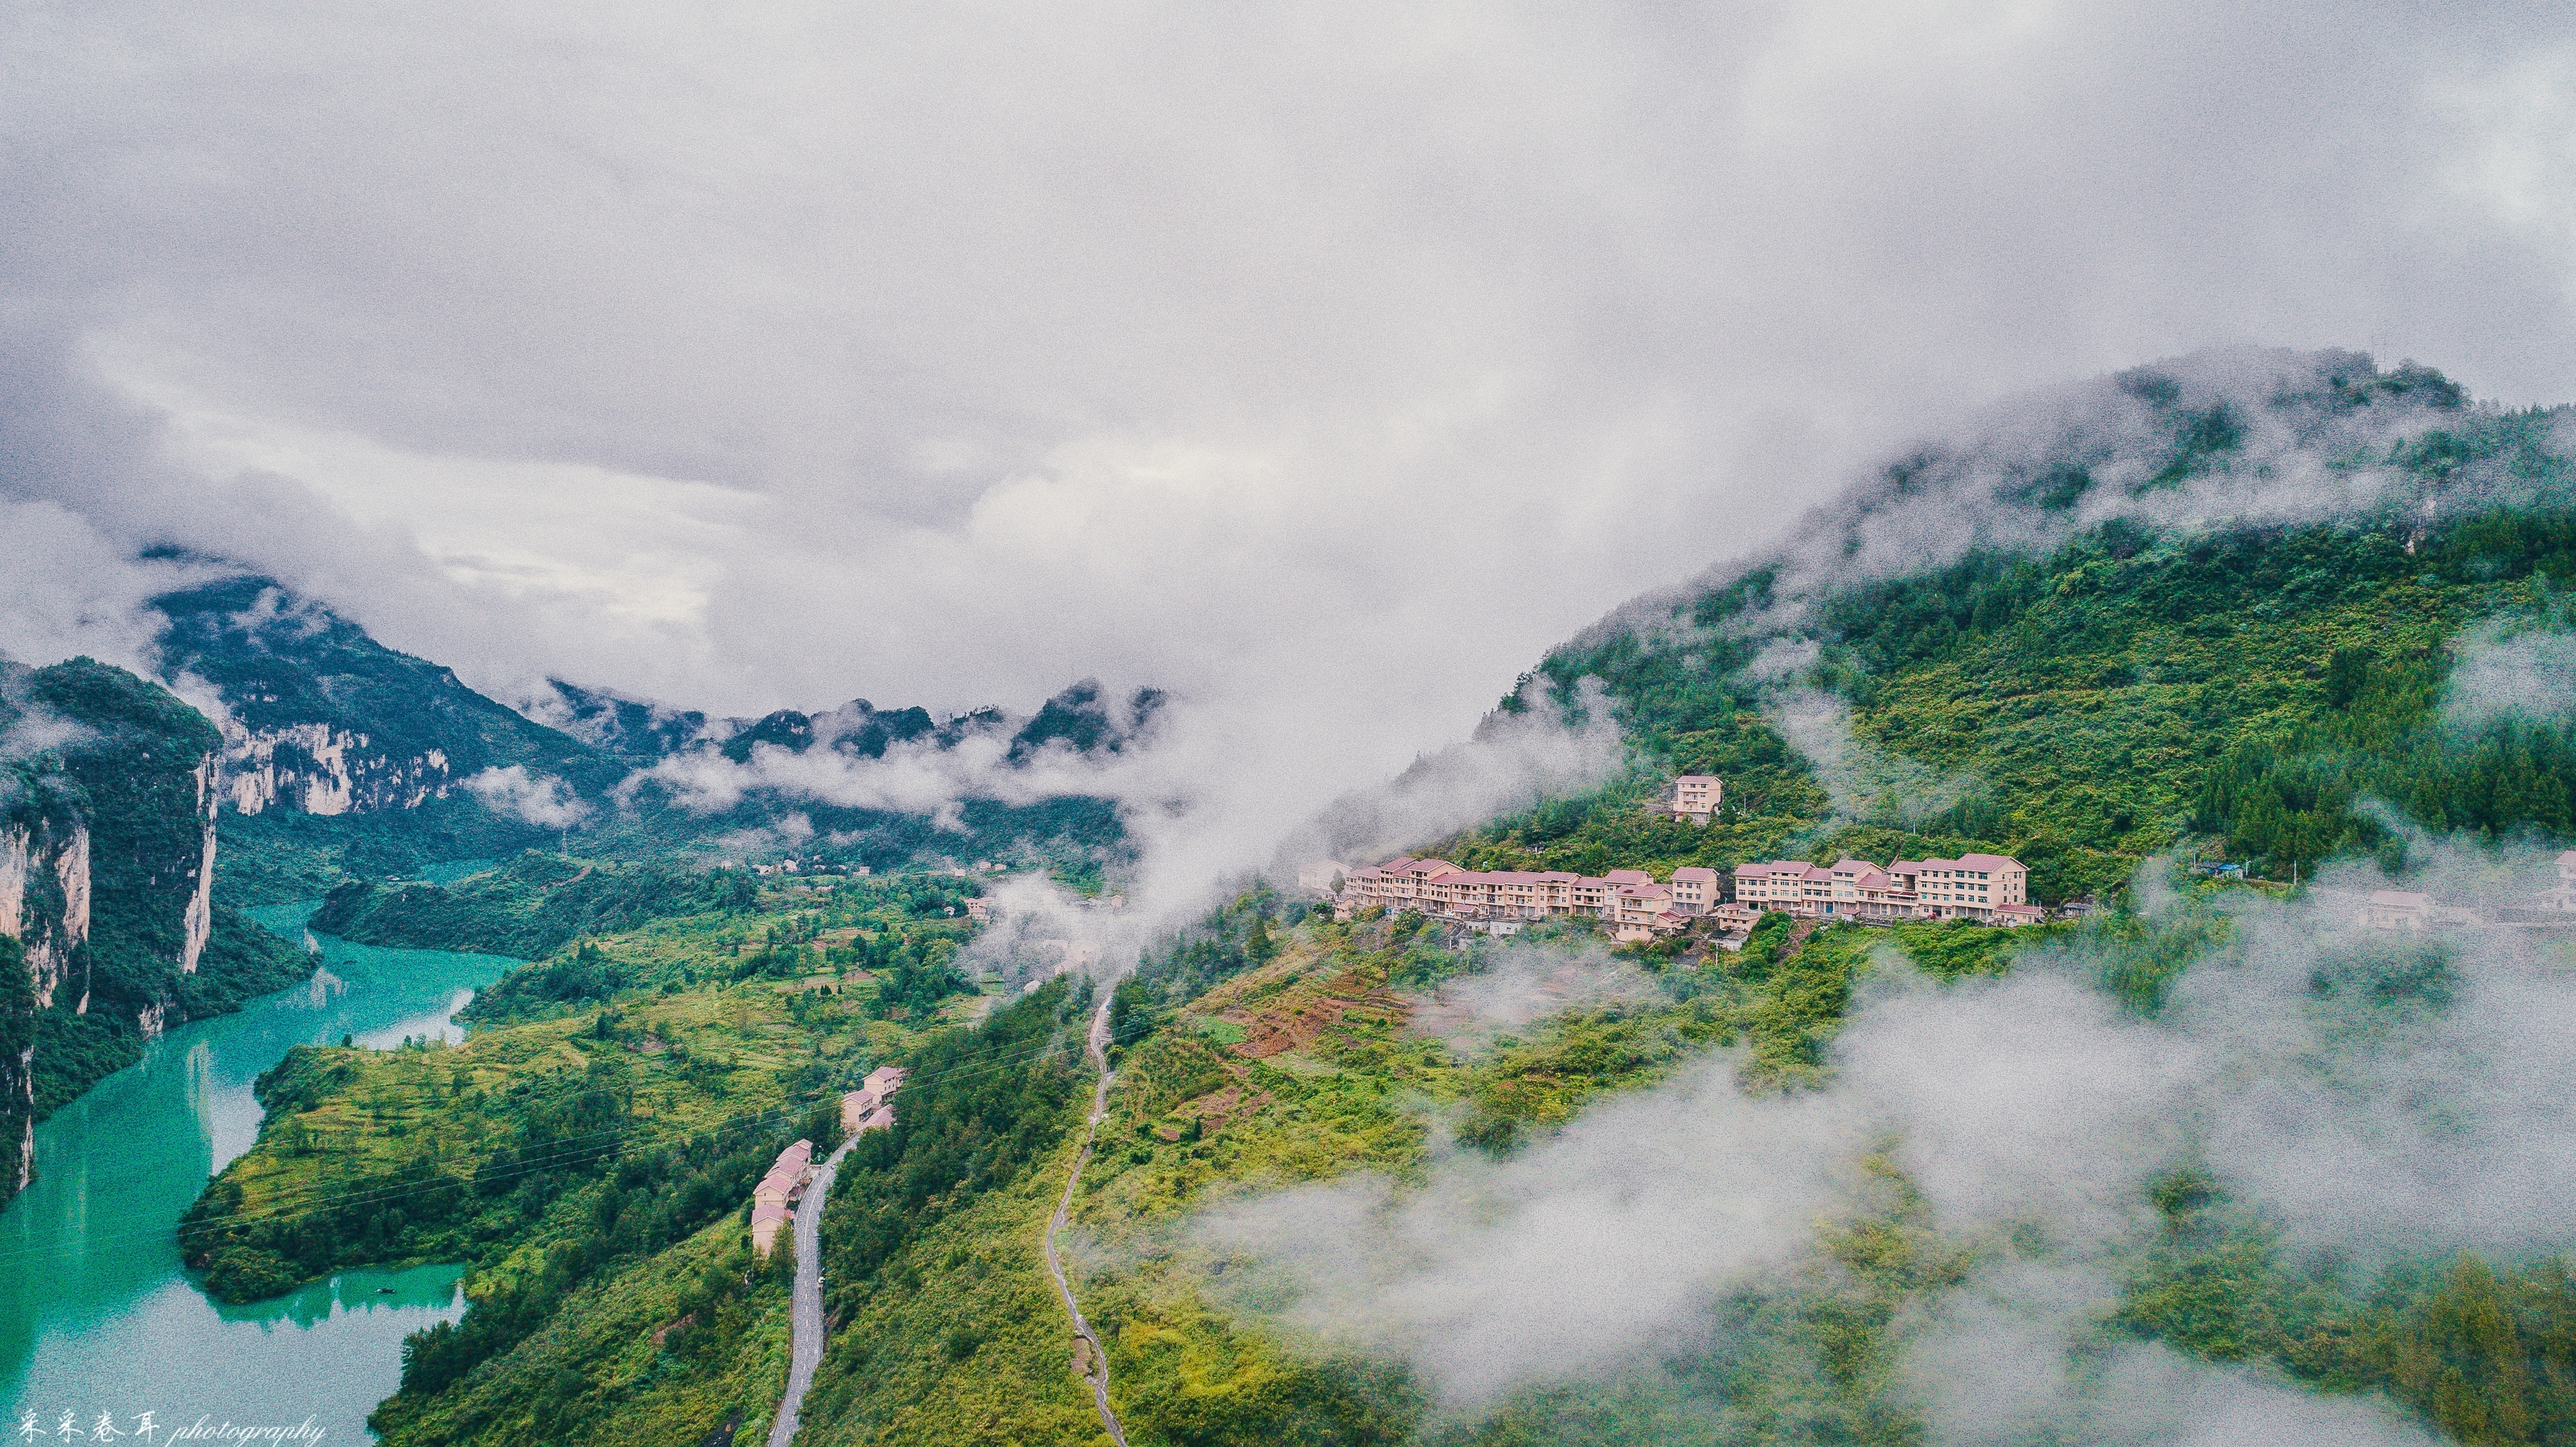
(2373,1097)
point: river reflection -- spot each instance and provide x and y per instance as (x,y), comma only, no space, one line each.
(97,1315)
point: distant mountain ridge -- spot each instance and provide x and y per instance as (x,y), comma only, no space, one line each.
(642,731)
(322,719)
(344,758)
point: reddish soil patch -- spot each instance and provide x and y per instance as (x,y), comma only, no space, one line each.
(1298,1023)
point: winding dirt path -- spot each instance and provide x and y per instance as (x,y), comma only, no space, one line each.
(1094,1363)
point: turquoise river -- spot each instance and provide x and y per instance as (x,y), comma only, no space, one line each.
(98,1318)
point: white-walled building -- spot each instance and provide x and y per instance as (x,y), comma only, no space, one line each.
(1987,888)
(1696,797)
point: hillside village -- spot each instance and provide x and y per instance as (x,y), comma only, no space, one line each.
(1986,889)
(1981,888)
(772,1201)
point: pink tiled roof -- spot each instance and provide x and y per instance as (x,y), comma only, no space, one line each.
(1629,876)
(767,1212)
(1988,862)
(1693,871)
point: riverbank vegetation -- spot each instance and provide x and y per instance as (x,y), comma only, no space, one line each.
(589,1153)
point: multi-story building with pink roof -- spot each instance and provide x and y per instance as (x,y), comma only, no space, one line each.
(776,1192)
(1696,797)
(1637,910)
(1695,890)
(1972,886)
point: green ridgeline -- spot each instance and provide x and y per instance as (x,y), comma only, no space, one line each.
(1241,1067)
(2132,692)
(590,1164)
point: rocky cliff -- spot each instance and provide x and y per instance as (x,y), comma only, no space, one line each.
(109,787)
(320,718)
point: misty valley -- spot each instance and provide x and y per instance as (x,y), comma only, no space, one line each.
(2077,945)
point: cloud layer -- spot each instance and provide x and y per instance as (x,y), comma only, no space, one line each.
(1321,364)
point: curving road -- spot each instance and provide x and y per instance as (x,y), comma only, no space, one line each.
(1094,1363)
(806,1312)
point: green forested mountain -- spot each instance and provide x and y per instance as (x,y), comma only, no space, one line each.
(2268,607)
(2124,650)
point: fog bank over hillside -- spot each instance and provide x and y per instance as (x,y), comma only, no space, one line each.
(2237,437)
(2374,1098)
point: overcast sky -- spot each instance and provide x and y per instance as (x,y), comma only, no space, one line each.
(1322,363)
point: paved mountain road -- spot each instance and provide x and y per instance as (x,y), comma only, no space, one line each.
(806,1312)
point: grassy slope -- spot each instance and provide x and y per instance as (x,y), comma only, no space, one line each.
(1298,1067)
(2482,1351)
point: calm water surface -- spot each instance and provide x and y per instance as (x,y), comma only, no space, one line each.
(96,1314)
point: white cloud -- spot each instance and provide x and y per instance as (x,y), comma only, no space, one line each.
(540,799)
(1324,365)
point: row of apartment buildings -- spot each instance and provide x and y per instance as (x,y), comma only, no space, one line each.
(1987,888)
(1628,899)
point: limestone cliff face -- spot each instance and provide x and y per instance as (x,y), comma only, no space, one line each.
(17,1072)
(109,927)
(319,718)
(319,769)
(44,922)
(44,901)
(199,922)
